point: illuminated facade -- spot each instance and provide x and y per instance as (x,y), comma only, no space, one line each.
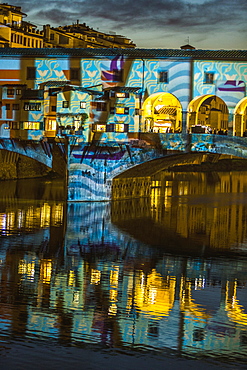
(112,92)
(15,32)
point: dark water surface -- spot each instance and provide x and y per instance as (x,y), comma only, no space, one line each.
(145,283)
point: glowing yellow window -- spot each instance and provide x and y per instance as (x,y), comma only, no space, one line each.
(120,110)
(119,127)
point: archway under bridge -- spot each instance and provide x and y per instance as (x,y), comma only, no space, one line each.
(207,114)
(240,118)
(161,113)
(136,181)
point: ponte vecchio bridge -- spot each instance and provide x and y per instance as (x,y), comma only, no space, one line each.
(92,114)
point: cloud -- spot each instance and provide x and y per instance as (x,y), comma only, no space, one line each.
(196,17)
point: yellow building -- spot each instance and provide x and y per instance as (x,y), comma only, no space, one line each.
(16,33)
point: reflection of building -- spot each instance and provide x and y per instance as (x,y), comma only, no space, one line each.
(170,210)
(121,306)
(202,222)
(141,298)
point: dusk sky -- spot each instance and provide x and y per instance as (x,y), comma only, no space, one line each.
(168,24)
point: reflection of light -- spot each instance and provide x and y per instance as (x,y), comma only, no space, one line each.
(57,214)
(95,277)
(188,305)
(45,215)
(113,295)
(76,297)
(199,283)
(2,221)
(114,276)
(45,271)
(10,220)
(20,219)
(112,309)
(155,296)
(71,278)
(26,268)
(235,311)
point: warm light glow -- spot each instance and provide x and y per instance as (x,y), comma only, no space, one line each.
(95,277)
(156,296)
(71,281)
(45,271)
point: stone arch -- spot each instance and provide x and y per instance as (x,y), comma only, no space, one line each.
(240,118)
(162,112)
(207,114)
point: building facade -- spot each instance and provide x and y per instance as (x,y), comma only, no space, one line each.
(16,33)
(48,92)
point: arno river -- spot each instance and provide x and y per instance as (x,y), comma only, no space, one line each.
(159,282)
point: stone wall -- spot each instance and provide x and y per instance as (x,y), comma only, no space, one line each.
(15,166)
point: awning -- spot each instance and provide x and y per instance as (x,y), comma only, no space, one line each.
(124,89)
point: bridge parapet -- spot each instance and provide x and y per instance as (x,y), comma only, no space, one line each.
(220,144)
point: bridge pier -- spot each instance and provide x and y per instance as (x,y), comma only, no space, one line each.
(92,167)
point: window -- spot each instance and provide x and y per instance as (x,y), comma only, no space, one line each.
(98,127)
(209,78)
(121,95)
(63,39)
(18,91)
(16,107)
(51,125)
(7,106)
(122,110)
(14,125)
(110,127)
(101,106)
(52,36)
(32,106)
(74,73)
(119,127)
(117,75)
(31,73)
(31,125)
(53,108)
(163,77)
(82,104)
(65,104)
(10,92)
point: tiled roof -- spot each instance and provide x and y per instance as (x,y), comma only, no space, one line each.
(130,53)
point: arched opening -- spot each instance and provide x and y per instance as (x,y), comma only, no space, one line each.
(162,112)
(207,114)
(240,118)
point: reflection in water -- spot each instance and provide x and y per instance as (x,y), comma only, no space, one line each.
(165,273)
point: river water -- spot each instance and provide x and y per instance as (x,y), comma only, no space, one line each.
(158,282)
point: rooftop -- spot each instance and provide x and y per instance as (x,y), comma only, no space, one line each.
(193,54)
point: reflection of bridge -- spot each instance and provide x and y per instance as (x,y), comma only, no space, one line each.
(195,299)
(92,166)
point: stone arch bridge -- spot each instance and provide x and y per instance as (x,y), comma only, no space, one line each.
(94,171)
